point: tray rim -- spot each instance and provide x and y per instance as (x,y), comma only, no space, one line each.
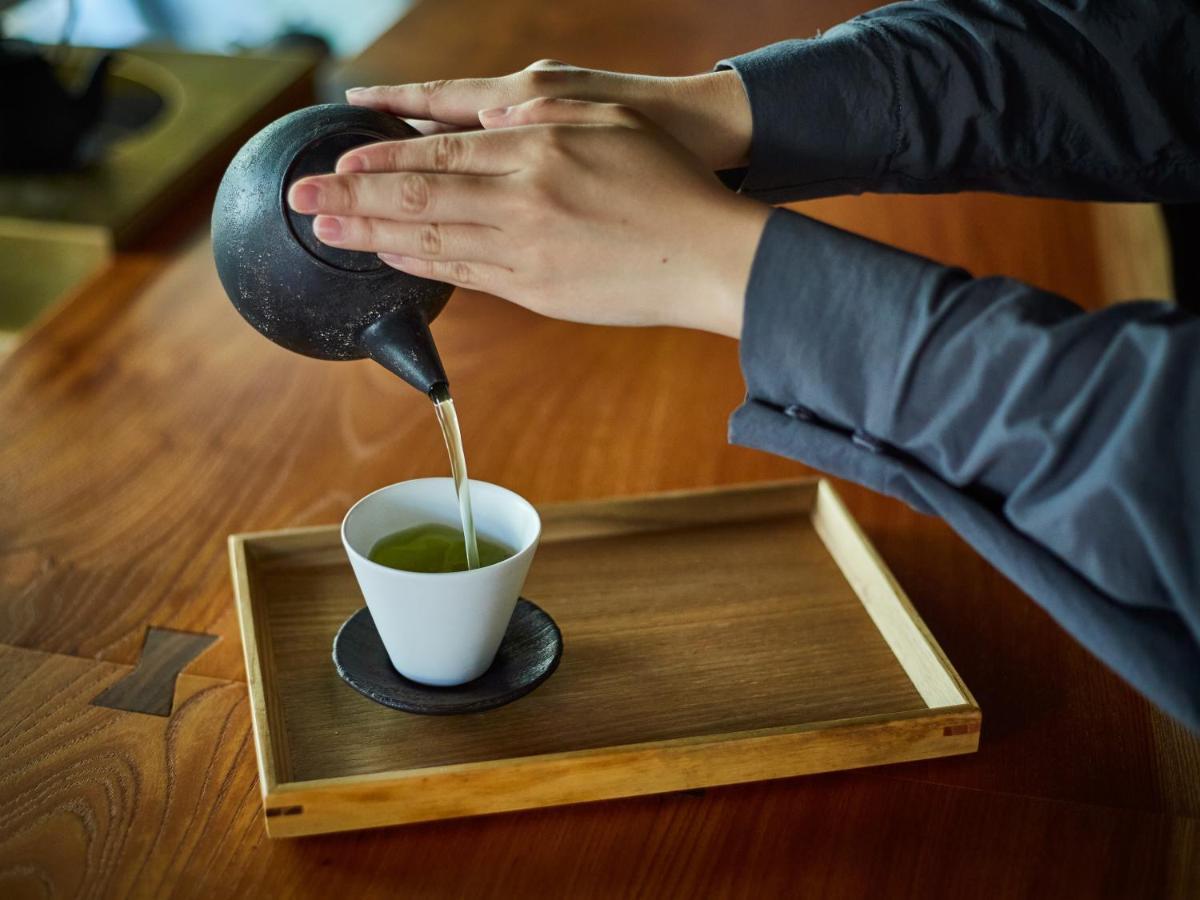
(949,723)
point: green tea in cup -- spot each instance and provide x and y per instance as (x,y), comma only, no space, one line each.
(433,548)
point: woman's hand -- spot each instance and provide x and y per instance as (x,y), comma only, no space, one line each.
(709,114)
(577,210)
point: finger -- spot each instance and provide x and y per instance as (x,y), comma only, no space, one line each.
(427,240)
(472,152)
(453,102)
(492,279)
(403,196)
(562,111)
(457,102)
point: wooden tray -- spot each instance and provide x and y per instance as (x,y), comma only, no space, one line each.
(710,637)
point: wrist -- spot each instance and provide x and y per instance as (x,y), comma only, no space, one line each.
(731,242)
(733,124)
(708,113)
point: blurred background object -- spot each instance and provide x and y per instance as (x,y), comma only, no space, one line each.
(113,112)
(46,124)
(206,26)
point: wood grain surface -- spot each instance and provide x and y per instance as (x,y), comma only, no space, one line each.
(143,422)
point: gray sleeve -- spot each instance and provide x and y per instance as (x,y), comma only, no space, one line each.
(1062,444)
(1095,99)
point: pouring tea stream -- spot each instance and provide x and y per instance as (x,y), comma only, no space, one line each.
(321,301)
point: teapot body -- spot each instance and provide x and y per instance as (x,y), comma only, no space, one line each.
(303,295)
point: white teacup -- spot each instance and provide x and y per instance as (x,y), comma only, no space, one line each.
(441,628)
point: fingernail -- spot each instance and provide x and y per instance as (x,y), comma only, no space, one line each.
(351,164)
(356,90)
(395,259)
(494,113)
(327,228)
(304,198)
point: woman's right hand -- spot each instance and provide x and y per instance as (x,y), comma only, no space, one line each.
(709,114)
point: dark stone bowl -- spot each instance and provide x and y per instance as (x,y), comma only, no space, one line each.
(528,655)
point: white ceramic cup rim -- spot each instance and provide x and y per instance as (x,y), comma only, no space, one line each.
(520,501)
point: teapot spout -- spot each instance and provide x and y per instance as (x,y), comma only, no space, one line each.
(402,343)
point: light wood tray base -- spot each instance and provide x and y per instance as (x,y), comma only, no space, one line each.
(711,637)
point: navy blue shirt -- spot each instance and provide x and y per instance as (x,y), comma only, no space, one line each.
(1063,445)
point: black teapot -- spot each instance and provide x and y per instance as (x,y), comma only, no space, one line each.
(308,297)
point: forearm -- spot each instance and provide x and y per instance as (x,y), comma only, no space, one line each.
(1074,432)
(1094,101)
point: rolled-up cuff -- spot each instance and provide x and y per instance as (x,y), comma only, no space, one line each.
(824,112)
(828,318)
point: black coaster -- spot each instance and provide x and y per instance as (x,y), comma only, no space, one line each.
(528,655)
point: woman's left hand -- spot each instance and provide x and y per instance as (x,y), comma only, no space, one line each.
(577,210)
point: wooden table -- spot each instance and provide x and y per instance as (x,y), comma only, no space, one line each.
(146,421)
